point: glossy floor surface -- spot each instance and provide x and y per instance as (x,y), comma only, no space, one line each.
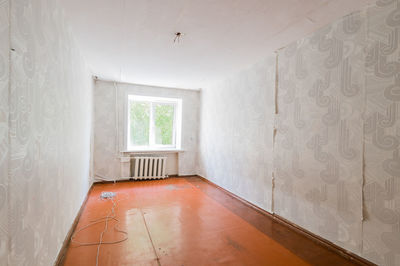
(187,221)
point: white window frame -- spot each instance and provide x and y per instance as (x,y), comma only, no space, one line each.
(177,124)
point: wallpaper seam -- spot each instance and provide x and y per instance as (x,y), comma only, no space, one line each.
(335,144)
(274,130)
(9,245)
(91,171)
(364,11)
(276,84)
(117,137)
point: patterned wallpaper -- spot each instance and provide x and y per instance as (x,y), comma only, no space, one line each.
(4,146)
(106,142)
(50,126)
(236,133)
(336,159)
(319,141)
(381,232)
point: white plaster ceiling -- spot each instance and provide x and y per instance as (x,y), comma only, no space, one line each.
(132,40)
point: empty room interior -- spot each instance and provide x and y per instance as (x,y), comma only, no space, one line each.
(199,132)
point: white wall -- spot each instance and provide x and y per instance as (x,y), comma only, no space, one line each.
(336,150)
(236,131)
(4,144)
(335,157)
(108,143)
(319,141)
(381,225)
(44,169)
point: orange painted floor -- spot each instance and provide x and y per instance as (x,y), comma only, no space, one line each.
(186,221)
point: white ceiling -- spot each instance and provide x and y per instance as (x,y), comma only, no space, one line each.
(132,40)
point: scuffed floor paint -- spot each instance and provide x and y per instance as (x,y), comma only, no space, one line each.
(186,221)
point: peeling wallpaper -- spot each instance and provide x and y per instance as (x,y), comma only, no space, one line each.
(336,163)
(333,166)
(47,160)
(4,145)
(109,137)
(237,118)
(381,232)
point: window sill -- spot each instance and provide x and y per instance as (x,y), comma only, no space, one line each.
(163,151)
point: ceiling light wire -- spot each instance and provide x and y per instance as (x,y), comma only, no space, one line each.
(178,36)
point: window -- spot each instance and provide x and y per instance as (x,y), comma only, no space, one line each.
(153,123)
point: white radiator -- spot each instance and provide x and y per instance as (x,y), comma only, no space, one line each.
(148,167)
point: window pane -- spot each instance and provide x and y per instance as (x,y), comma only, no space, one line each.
(140,123)
(164,123)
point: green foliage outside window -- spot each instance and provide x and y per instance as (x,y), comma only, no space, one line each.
(163,117)
(164,123)
(140,123)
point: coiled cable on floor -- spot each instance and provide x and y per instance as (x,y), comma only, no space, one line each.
(110,216)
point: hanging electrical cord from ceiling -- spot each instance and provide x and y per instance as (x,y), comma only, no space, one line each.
(178,36)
